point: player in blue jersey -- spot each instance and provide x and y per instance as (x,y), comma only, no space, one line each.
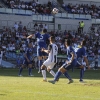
(81,53)
(69,64)
(41,43)
(28,58)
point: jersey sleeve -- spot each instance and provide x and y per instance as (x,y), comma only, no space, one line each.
(48,36)
(36,35)
(72,50)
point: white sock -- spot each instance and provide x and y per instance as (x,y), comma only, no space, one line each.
(52,73)
(44,74)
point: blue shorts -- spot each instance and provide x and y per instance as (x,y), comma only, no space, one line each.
(41,53)
(78,64)
(25,62)
(70,66)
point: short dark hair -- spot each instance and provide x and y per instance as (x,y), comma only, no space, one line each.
(44,30)
(52,38)
(68,42)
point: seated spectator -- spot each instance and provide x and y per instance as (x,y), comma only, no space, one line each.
(49,4)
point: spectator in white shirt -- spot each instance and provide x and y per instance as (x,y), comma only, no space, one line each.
(16,26)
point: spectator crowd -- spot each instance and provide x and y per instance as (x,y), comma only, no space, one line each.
(33,5)
(92,10)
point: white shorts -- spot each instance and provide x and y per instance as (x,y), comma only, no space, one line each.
(49,64)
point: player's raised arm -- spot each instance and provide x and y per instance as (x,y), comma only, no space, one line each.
(30,36)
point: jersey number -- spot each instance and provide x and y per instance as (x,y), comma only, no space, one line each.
(41,36)
(55,49)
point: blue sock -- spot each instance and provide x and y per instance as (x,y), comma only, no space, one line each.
(58,74)
(20,70)
(40,64)
(81,74)
(67,75)
(30,70)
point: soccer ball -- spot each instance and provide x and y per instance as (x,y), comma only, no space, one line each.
(55,11)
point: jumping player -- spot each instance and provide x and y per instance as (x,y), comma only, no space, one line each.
(41,43)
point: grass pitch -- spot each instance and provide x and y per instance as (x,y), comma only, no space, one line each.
(13,87)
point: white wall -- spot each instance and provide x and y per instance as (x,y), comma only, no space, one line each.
(11,19)
(41,1)
(71,24)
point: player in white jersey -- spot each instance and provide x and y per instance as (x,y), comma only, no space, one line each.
(51,60)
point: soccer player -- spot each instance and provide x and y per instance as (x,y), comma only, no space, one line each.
(41,43)
(52,58)
(28,57)
(81,53)
(69,64)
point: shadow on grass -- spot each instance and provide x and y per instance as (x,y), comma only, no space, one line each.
(89,74)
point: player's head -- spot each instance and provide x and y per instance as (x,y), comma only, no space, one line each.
(83,42)
(44,30)
(52,39)
(67,42)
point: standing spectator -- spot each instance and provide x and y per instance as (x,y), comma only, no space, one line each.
(40,26)
(82,26)
(16,26)
(45,26)
(20,26)
(96,59)
(79,29)
(36,26)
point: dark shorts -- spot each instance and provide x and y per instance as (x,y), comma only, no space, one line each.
(41,53)
(25,62)
(78,64)
(70,66)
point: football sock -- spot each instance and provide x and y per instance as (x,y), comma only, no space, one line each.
(52,73)
(58,74)
(44,74)
(81,74)
(67,75)
(40,64)
(30,70)
(20,70)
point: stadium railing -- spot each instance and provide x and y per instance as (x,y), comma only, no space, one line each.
(29,13)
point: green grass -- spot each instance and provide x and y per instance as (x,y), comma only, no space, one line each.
(13,87)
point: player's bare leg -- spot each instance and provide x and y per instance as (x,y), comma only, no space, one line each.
(43,67)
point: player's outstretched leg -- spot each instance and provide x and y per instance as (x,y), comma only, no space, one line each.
(67,76)
(57,75)
(44,73)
